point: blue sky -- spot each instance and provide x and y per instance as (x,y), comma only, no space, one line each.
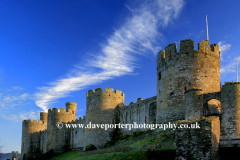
(52,52)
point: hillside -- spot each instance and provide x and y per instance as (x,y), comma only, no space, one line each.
(144,145)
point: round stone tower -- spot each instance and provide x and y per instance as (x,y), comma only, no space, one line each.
(179,71)
(101,110)
(31,136)
(43,117)
(193,104)
(58,137)
(230,98)
(73,107)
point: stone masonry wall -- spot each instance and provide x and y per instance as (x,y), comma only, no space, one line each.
(198,144)
(178,71)
(193,104)
(230,124)
(57,139)
(144,111)
(77,135)
(101,110)
(31,135)
(188,87)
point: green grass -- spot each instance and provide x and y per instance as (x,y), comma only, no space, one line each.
(167,154)
(138,145)
(131,155)
(70,155)
(111,156)
(135,154)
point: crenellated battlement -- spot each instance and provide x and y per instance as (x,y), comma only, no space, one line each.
(70,103)
(31,126)
(34,121)
(109,91)
(214,48)
(231,90)
(140,100)
(170,50)
(187,82)
(186,48)
(230,83)
(62,110)
(81,120)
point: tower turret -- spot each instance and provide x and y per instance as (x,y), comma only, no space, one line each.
(58,137)
(230,98)
(73,107)
(43,117)
(31,136)
(100,109)
(180,71)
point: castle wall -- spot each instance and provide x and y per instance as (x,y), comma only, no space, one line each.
(193,104)
(43,141)
(143,111)
(188,87)
(178,71)
(198,143)
(57,139)
(31,136)
(101,110)
(76,135)
(230,124)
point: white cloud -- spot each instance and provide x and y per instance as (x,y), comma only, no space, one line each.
(130,9)
(14,99)
(23,96)
(228,68)
(136,36)
(231,67)
(17,88)
(28,115)
(21,116)
(222,48)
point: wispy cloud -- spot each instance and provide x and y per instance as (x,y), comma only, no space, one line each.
(17,88)
(21,116)
(128,8)
(193,34)
(222,48)
(228,68)
(136,36)
(10,100)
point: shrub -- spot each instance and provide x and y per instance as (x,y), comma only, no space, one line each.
(109,143)
(115,136)
(138,133)
(147,131)
(90,147)
(124,136)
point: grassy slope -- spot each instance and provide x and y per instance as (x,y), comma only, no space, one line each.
(136,153)
(111,156)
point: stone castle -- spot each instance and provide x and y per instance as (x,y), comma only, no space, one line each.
(188,88)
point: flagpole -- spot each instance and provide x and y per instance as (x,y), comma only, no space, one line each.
(237,71)
(207,28)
